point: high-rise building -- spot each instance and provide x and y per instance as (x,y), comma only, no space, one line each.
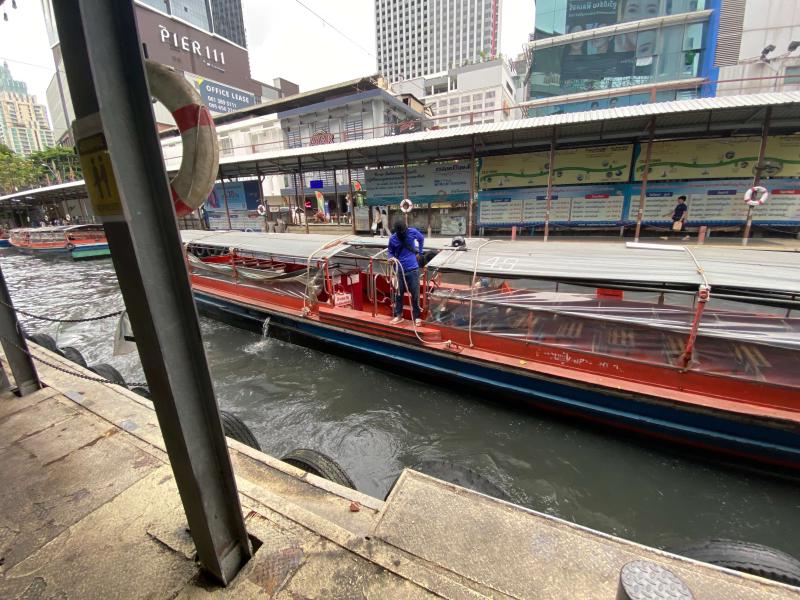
(229,21)
(416,38)
(222,17)
(23,121)
(599,54)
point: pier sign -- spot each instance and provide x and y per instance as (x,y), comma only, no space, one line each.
(436,182)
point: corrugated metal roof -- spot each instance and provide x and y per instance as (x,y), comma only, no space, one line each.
(642,263)
(278,244)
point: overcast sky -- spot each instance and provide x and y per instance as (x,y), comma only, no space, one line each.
(284,39)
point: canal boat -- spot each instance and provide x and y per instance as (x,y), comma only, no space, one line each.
(81,241)
(697,348)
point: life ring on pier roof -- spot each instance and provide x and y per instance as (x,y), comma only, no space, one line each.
(261,210)
(406,205)
(200,160)
(750,196)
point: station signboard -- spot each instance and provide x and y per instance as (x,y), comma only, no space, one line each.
(427,183)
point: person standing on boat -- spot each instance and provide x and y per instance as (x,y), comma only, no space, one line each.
(405,244)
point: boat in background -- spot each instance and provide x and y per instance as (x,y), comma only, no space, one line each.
(81,241)
(696,347)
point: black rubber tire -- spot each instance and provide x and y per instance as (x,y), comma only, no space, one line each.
(746,557)
(142,391)
(319,464)
(107,372)
(74,355)
(45,341)
(235,428)
(462,476)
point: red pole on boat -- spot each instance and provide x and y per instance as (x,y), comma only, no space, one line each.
(225,199)
(550,162)
(702,298)
(352,196)
(643,192)
(757,175)
(471,187)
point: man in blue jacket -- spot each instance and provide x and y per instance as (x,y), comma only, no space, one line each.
(405,244)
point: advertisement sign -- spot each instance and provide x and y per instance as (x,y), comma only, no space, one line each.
(242,198)
(585,205)
(454,225)
(436,182)
(602,164)
(220,98)
(721,158)
(362,218)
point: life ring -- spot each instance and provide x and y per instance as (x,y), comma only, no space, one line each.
(262,210)
(406,205)
(760,191)
(70,246)
(200,160)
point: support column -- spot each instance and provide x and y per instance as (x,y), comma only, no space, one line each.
(225,200)
(302,189)
(261,198)
(471,189)
(405,181)
(645,175)
(549,199)
(15,346)
(352,195)
(759,168)
(115,132)
(336,199)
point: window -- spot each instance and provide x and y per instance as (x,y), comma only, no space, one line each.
(791,76)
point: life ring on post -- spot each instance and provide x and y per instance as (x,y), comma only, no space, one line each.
(756,195)
(200,160)
(406,206)
(262,210)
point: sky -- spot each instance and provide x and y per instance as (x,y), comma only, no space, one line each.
(284,38)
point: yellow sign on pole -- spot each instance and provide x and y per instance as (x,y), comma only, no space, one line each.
(99,176)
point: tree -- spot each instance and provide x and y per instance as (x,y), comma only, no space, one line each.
(62,164)
(16,172)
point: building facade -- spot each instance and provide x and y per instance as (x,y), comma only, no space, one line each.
(23,121)
(416,38)
(762,41)
(181,34)
(468,95)
(589,54)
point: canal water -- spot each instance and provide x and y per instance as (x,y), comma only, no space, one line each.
(375,423)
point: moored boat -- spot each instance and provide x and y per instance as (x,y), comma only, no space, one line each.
(82,241)
(698,347)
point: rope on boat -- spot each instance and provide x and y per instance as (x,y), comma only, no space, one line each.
(52,320)
(472,285)
(324,246)
(393,262)
(67,371)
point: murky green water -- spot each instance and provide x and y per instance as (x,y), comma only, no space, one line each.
(375,423)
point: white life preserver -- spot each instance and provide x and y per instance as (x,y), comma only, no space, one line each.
(406,205)
(200,160)
(262,210)
(750,196)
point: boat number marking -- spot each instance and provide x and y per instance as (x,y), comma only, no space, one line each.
(501,263)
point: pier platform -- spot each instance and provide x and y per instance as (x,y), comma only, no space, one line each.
(89,509)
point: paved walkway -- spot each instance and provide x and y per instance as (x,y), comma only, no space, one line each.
(89,509)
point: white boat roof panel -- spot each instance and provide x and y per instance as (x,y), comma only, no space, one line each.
(644,263)
(299,245)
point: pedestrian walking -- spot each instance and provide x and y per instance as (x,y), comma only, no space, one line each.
(679,214)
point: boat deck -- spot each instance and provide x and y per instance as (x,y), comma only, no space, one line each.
(89,508)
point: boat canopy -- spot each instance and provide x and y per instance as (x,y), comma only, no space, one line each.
(733,268)
(296,245)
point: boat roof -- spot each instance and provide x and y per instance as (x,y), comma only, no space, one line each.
(49,229)
(656,264)
(298,245)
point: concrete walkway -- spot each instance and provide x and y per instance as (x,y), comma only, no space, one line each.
(89,509)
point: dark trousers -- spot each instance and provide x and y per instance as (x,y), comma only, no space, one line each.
(412,278)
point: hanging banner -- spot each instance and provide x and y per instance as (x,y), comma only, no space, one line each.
(436,182)
(603,164)
(721,158)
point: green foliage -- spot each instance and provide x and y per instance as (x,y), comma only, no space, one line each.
(46,167)
(16,173)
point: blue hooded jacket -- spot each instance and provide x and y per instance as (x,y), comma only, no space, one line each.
(402,251)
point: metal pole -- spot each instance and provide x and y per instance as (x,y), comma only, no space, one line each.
(261,198)
(336,199)
(296,198)
(225,199)
(14,344)
(115,132)
(645,174)
(405,179)
(352,196)
(757,175)
(471,188)
(549,199)
(303,189)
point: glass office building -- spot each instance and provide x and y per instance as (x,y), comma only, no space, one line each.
(601,53)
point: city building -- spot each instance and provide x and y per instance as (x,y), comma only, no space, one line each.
(477,93)
(761,52)
(589,54)
(416,38)
(23,121)
(203,39)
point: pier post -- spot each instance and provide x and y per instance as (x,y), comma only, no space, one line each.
(643,191)
(116,136)
(471,188)
(15,346)
(302,184)
(758,169)
(336,199)
(352,196)
(405,181)
(225,199)
(550,161)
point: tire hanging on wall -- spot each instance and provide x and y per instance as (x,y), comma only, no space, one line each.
(319,464)
(235,428)
(746,557)
(45,341)
(73,355)
(107,372)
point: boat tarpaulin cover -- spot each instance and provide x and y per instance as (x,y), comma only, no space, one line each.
(641,263)
(298,245)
